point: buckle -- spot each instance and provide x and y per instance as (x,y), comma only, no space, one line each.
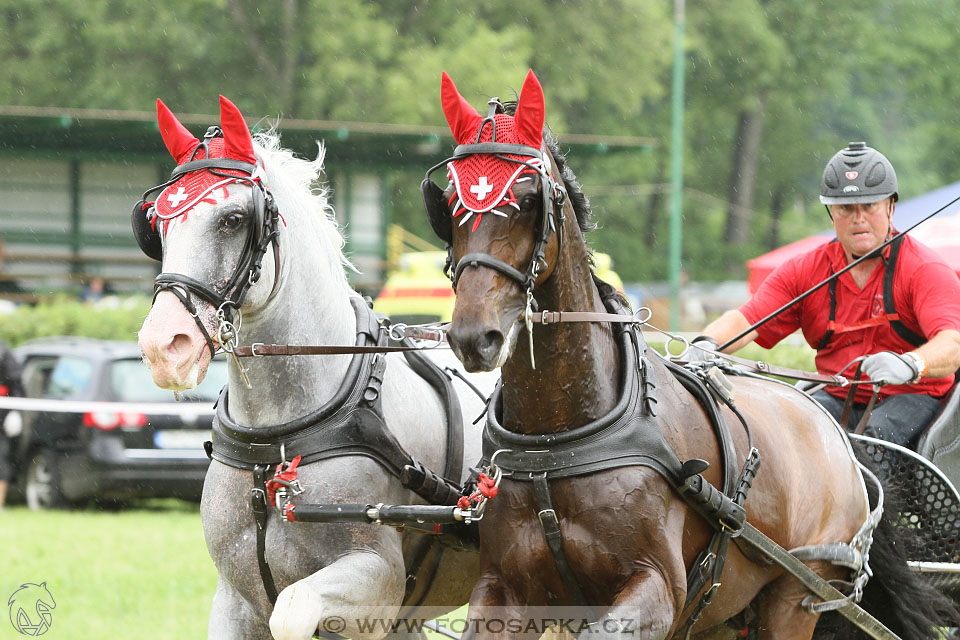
(544,513)
(253,349)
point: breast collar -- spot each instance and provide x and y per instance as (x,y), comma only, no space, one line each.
(628,435)
(350,423)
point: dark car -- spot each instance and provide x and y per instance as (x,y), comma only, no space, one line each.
(69,457)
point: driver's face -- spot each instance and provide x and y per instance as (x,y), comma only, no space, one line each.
(862,227)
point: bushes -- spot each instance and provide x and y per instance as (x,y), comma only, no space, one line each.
(113,318)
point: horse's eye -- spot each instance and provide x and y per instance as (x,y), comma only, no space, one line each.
(232,220)
(529,202)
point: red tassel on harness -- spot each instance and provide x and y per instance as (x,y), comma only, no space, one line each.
(286,474)
(486,488)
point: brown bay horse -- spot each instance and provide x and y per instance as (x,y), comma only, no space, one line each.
(515,218)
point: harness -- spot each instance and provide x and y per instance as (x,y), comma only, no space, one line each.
(349,424)
(890,312)
(630,435)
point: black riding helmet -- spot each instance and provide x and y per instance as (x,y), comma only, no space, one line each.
(858,175)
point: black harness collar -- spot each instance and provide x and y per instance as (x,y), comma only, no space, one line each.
(350,423)
(628,435)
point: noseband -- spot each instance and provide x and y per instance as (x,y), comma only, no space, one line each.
(553,194)
(264,232)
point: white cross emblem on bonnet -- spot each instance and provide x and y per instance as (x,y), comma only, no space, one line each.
(178,197)
(482,189)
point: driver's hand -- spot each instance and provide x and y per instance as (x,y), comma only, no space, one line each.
(702,349)
(890,368)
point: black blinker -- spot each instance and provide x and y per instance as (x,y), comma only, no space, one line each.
(437,211)
(148,238)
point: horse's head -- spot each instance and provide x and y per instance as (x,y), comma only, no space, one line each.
(211,226)
(501,217)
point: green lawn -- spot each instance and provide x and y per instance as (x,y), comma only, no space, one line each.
(141,573)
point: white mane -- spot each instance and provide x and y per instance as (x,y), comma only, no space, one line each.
(299,194)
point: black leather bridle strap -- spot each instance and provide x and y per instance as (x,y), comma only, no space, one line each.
(214,163)
(497,148)
(485,259)
(551,531)
(174,283)
(258,501)
(169,281)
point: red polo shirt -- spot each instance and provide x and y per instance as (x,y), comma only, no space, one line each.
(926,297)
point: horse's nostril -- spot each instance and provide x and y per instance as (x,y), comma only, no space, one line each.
(180,343)
(490,343)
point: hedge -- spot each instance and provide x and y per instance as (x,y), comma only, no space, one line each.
(112,318)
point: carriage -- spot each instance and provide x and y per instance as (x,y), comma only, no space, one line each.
(609,479)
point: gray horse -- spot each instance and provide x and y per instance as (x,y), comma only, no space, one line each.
(328,575)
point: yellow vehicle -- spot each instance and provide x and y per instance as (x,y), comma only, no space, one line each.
(418,292)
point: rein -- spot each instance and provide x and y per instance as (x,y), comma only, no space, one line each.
(437,334)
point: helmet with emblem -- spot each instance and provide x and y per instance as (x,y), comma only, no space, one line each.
(858,174)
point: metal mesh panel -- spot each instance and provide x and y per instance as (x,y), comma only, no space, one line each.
(930,505)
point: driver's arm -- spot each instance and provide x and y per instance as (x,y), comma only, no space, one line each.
(941,354)
(728,325)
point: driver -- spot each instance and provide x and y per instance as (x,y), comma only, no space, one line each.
(900,309)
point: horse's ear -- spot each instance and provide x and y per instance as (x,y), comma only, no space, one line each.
(530,110)
(237,143)
(180,142)
(462,118)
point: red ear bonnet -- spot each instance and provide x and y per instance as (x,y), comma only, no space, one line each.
(529,115)
(202,185)
(462,118)
(180,142)
(238,144)
(483,181)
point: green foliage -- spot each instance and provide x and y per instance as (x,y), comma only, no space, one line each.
(819,73)
(112,319)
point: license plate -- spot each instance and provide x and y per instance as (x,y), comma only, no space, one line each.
(181,439)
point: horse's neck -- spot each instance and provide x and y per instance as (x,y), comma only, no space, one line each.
(308,308)
(577,372)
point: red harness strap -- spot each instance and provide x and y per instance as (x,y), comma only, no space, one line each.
(837,327)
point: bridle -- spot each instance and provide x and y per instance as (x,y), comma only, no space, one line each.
(264,232)
(551,218)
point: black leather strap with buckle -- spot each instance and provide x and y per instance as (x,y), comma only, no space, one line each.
(258,502)
(551,531)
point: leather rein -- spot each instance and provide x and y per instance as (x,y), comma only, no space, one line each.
(437,335)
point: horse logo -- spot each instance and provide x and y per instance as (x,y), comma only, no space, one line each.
(30,609)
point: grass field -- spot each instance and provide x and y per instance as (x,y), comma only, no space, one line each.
(141,573)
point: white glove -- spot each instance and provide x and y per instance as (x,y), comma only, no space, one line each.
(891,368)
(702,349)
